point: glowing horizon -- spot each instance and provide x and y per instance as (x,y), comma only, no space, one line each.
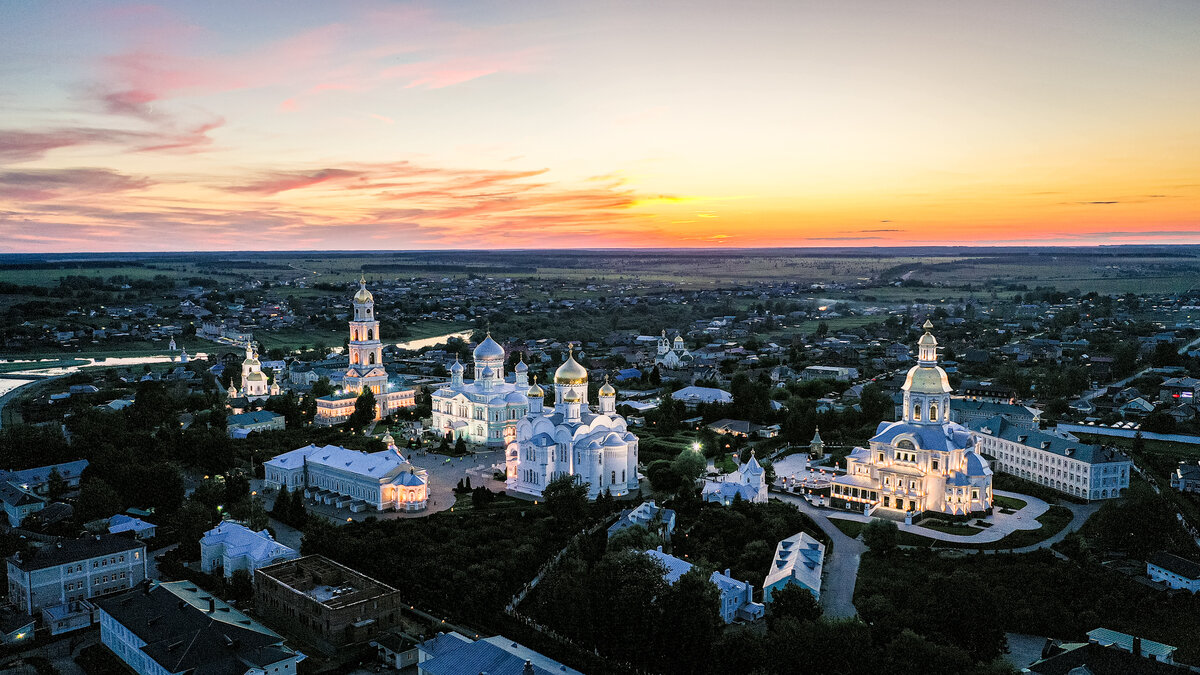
(378,125)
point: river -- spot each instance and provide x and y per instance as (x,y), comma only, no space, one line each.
(8,387)
(429,342)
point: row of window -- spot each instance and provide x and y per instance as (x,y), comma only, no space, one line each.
(73,585)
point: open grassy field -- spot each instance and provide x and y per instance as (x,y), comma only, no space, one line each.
(1110,270)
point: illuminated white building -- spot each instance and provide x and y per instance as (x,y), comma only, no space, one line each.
(383,481)
(749,483)
(924,462)
(672,355)
(572,439)
(485,410)
(255,386)
(366,371)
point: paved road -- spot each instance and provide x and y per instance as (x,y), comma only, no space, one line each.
(841,566)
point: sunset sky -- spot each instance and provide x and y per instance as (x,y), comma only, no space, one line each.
(390,125)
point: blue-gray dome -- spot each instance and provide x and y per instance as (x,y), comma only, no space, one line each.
(488,349)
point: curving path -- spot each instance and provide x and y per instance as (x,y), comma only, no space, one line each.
(841,564)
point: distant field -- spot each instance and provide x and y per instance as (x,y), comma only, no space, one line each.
(49,278)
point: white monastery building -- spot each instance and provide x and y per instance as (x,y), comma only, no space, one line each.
(572,439)
(366,371)
(255,386)
(1058,462)
(672,355)
(924,462)
(383,481)
(485,410)
(749,482)
(231,546)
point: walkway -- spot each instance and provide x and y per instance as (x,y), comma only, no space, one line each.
(841,565)
(1003,524)
(1080,514)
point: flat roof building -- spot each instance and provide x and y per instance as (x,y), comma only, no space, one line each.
(324,601)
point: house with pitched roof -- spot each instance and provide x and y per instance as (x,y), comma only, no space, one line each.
(175,628)
(800,560)
(232,546)
(737,597)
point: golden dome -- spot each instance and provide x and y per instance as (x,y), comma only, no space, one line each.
(571,372)
(608,389)
(363,295)
(535,391)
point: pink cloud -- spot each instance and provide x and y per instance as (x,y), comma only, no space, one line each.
(47,184)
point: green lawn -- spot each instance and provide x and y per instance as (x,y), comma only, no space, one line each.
(850,528)
(952,528)
(1053,521)
(1009,502)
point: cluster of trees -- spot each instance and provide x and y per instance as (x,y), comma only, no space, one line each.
(464,565)
(740,537)
(969,603)
(289,508)
(1141,523)
(620,603)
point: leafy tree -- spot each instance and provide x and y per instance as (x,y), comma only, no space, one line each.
(566,499)
(192,520)
(793,601)
(281,510)
(57,485)
(364,410)
(663,476)
(241,588)
(635,537)
(298,510)
(322,387)
(689,465)
(691,621)
(481,497)
(881,536)
(98,499)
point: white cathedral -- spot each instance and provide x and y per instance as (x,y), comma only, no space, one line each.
(366,371)
(672,356)
(255,386)
(924,462)
(485,410)
(572,439)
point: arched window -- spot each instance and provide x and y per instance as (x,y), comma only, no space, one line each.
(917,412)
(354,336)
(371,358)
(614,478)
(370,334)
(933,412)
(906,445)
(354,357)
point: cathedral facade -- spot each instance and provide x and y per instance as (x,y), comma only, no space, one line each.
(672,355)
(366,371)
(572,439)
(255,385)
(486,409)
(924,462)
